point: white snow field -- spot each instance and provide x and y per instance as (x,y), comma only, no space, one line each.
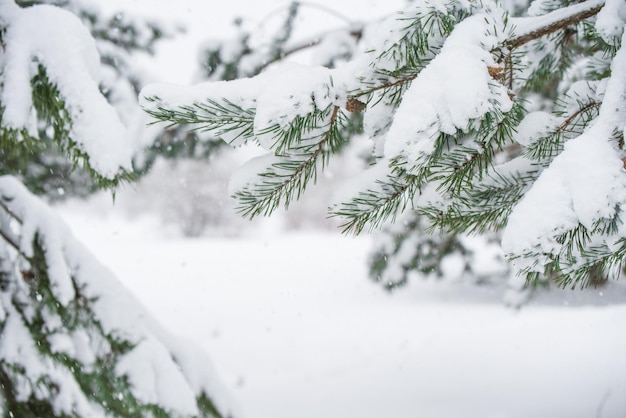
(296,330)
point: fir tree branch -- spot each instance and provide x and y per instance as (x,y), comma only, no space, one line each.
(554,21)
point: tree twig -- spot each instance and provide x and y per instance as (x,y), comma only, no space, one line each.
(387,85)
(10,241)
(554,21)
(8,210)
(356,33)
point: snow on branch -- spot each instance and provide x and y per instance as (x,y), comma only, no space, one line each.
(37,40)
(534,27)
(582,190)
(448,92)
(610,21)
(87,320)
(293,112)
(454,95)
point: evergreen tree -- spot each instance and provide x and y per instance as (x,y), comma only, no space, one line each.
(73,341)
(483,118)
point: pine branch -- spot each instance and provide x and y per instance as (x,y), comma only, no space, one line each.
(293,136)
(387,85)
(10,239)
(208,116)
(540,26)
(375,207)
(551,145)
(485,207)
(545,25)
(423,37)
(458,169)
(476,208)
(5,229)
(592,105)
(395,191)
(592,263)
(300,162)
(52,111)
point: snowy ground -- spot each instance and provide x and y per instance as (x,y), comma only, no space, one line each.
(296,330)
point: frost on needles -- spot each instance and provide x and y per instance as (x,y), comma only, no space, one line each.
(485,117)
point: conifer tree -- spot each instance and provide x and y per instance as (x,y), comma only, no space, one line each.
(73,341)
(483,119)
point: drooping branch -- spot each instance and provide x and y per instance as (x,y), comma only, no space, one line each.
(285,187)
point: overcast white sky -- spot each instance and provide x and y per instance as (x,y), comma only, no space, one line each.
(212,19)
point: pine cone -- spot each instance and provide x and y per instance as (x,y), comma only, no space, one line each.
(355,106)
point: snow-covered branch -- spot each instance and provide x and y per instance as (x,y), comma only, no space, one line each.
(531,28)
(112,336)
(95,131)
(449,91)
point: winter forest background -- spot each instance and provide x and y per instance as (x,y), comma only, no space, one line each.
(161,300)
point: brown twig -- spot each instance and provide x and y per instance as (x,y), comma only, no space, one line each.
(578,14)
(355,33)
(571,117)
(551,25)
(387,85)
